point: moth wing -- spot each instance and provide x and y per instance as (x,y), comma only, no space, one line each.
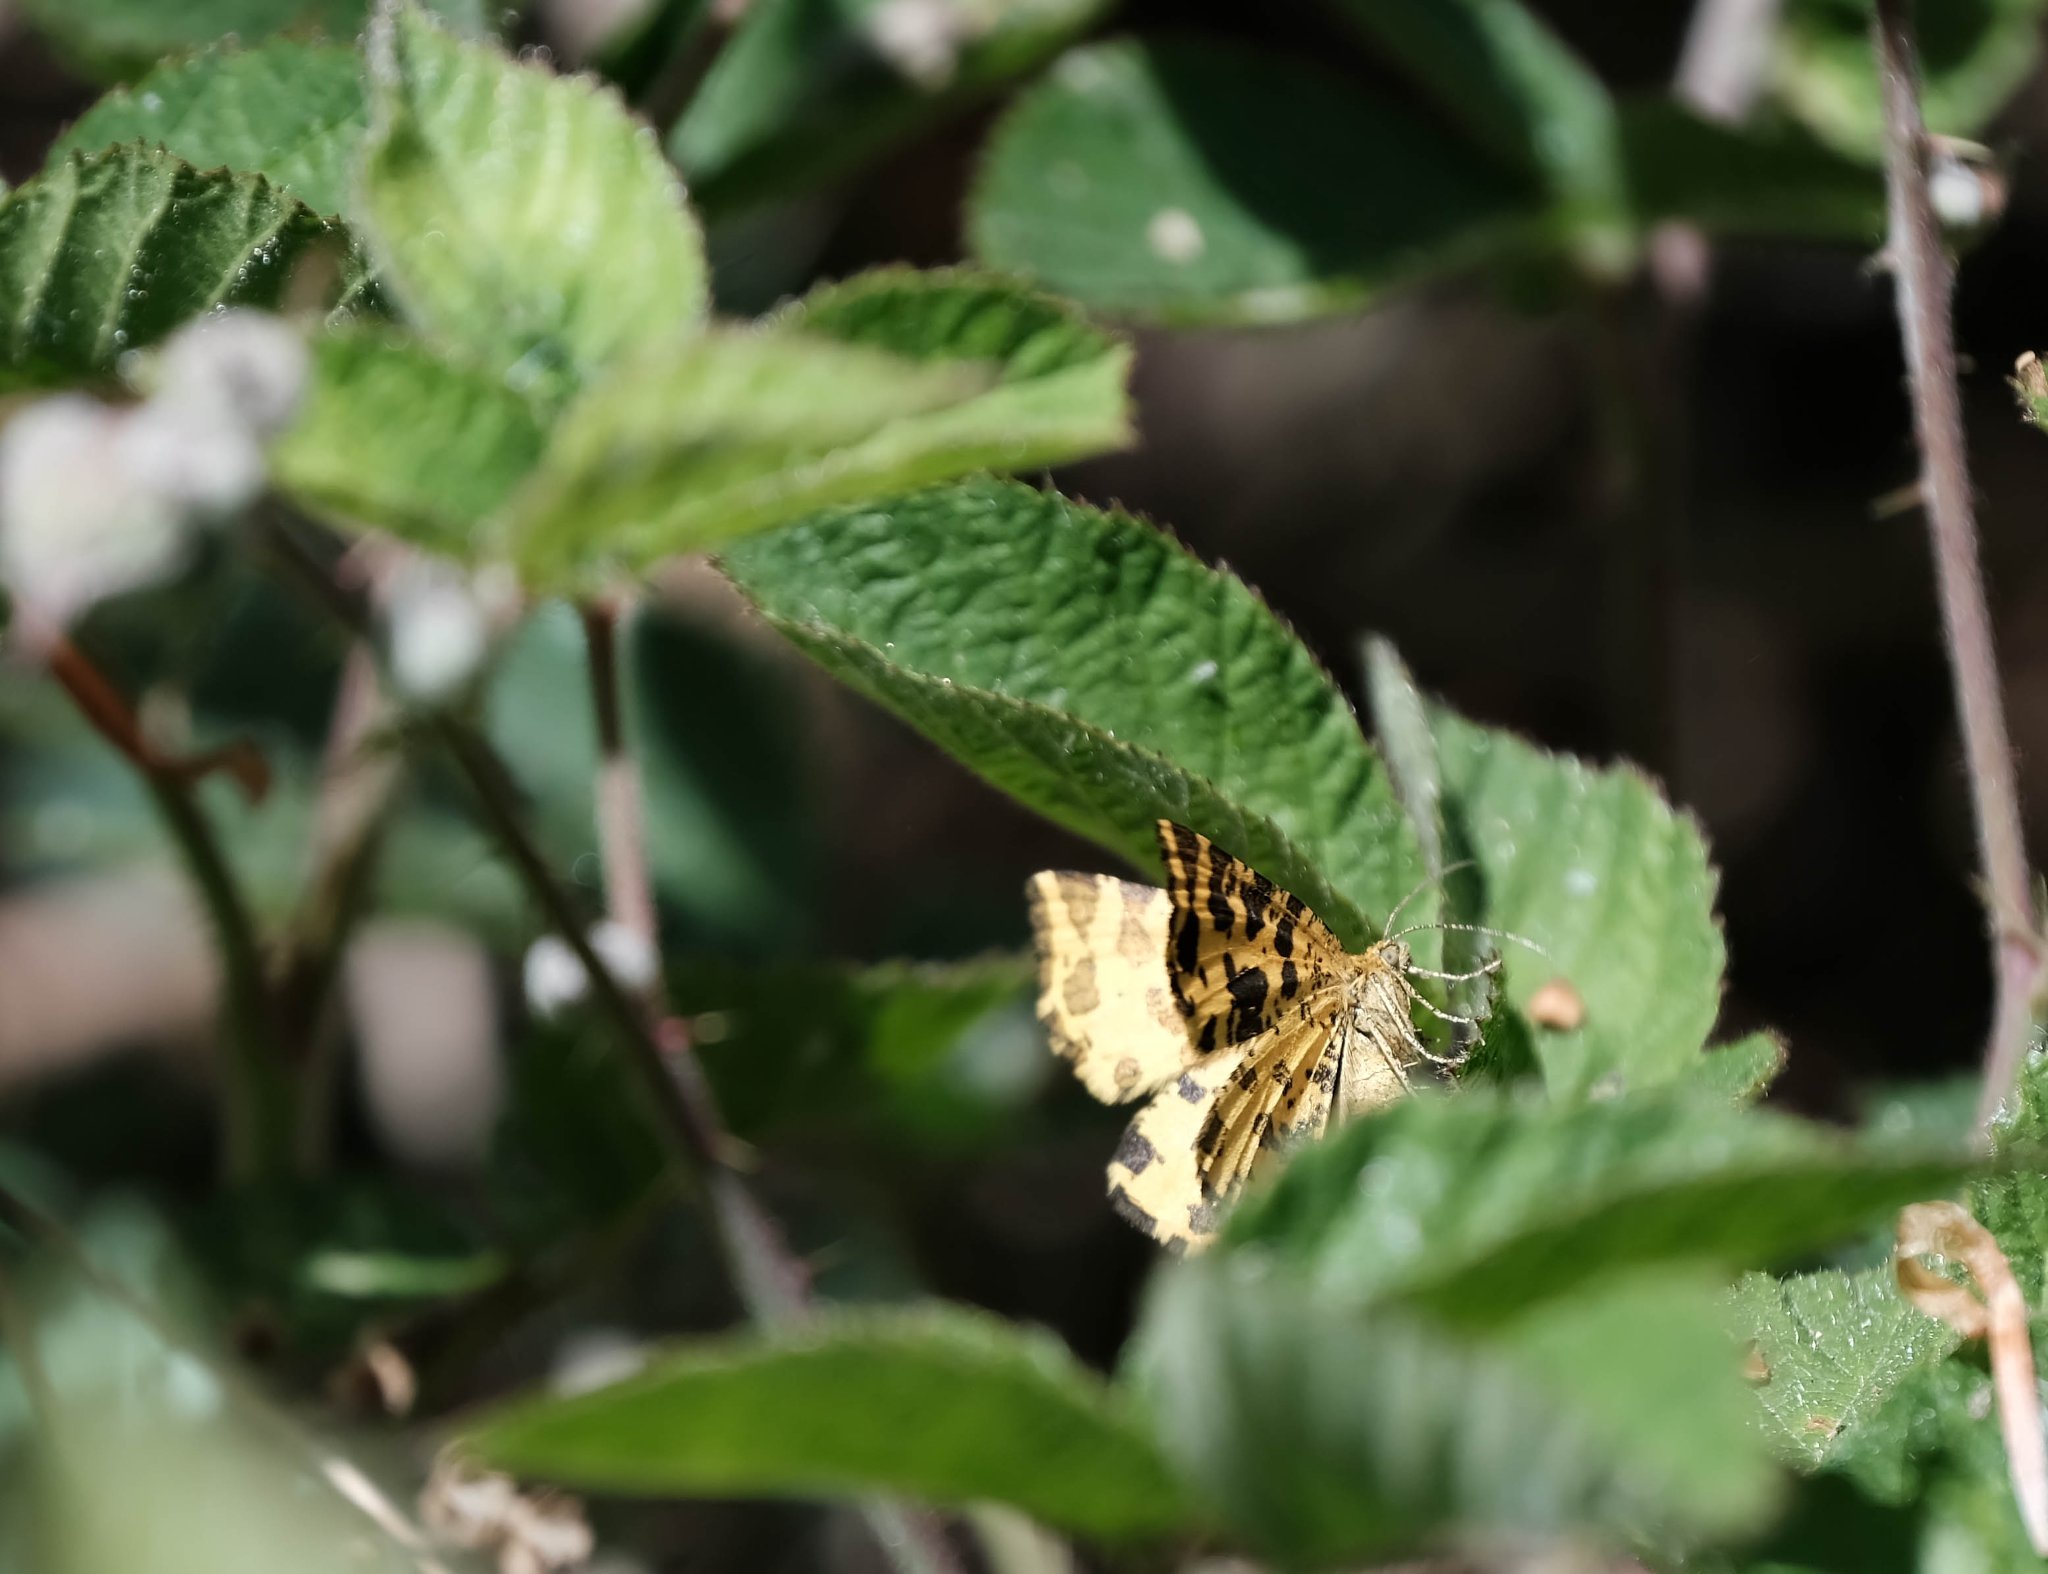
(1155,1179)
(1246,1121)
(1241,954)
(1102,987)
(1381,1049)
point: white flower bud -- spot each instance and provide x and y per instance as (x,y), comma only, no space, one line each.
(556,982)
(78,522)
(438,631)
(920,39)
(247,369)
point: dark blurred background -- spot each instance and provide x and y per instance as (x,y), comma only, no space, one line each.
(1438,471)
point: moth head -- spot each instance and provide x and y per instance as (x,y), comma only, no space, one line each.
(1395,954)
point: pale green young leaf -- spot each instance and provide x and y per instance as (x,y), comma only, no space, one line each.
(1738,1073)
(2012,1202)
(1596,868)
(292,111)
(521,217)
(934,1403)
(695,442)
(1973,58)
(107,252)
(1479,1206)
(1087,663)
(1332,1436)
(395,436)
(1495,67)
(1187,182)
(809,90)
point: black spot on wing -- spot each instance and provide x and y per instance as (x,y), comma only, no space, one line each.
(1290,979)
(1120,1200)
(1248,1002)
(1189,1089)
(1135,1153)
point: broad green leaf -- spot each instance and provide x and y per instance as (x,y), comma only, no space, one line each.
(1496,68)
(1974,55)
(1331,1436)
(1086,663)
(1476,1206)
(810,89)
(932,1402)
(1190,182)
(395,436)
(702,440)
(293,112)
(1596,868)
(519,216)
(103,253)
(1777,182)
(1831,1349)
(116,38)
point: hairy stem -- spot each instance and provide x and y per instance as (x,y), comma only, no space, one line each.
(1925,279)
(256,1095)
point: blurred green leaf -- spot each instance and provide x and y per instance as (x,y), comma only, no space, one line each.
(1775,182)
(1833,1348)
(839,1042)
(1974,55)
(808,90)
(117,38)
(1086,663)
(1596,868)
(1476,1206)
(1496,68)
(1190,182)
(291,111)
(692,444)
(1738,1073)
(395,436)
(518,216)
(930,1402)
(1328,1436)
(108,252)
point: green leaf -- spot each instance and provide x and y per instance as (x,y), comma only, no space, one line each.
(1521,92)
(1833,1349)
(1777,182)
(1596,868)
(1330,1436)
(2012,1201)
(698,442)
(933,1403)
(293,112)
(108,252)
(1741,1072)
(519,216)
(1477,1206)
(807,90)
(1190,182)
(1087,664)
(113,38)
(394,436)
(1974,55)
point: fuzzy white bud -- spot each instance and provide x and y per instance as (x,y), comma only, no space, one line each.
(921,39)
(437,629)
(554,978)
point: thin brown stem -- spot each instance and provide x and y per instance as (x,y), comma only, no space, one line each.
(1925,280)
(256,1095)
(621,804)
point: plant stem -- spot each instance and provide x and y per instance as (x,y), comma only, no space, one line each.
(1925,280)
(256,1096)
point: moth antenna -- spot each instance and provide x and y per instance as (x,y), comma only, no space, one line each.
(1435,1011)
(1455,978)
(1427,881)
(1477,929)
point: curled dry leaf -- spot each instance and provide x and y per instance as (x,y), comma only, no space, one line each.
(1946,1230)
